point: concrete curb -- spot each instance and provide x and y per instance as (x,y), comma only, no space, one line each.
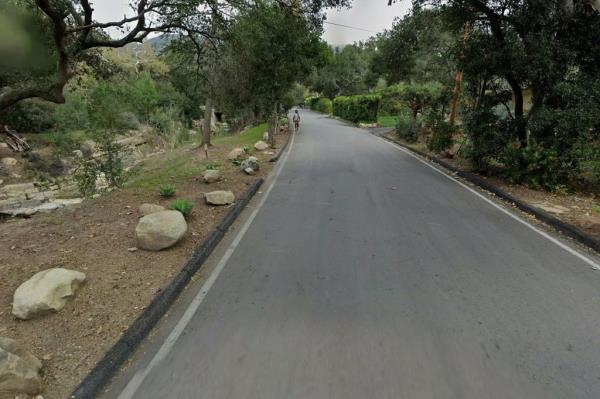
(566,228)
(101,374)
(276,157)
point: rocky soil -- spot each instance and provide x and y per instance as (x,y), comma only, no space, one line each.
(97,237)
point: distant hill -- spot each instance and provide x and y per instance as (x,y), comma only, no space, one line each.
(159,43)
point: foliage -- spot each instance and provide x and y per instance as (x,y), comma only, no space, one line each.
(294,97)
(212,166)
(533,165)
(324,105)
(408,128)
(182,205)
(166,191)
(441,136)
(362,108)
(106,168)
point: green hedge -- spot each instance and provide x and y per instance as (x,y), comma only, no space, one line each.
(319,104)
(324,105)
(357,108)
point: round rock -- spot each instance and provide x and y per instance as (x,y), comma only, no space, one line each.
(160,230)
(211,176)
(220,198)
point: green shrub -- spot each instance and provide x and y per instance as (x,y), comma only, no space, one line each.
(30,116)
(212,166)
(73,114)
(441,137)
(407,128)
(324,105)
(166,191)
(312,102)
(182,205)
(534,165)
(362,108)
(107,166)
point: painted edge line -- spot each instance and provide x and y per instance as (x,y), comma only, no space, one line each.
(116,356)
(565,228)
(138,379)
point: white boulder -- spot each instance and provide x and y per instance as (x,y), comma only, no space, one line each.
(211,176)
(235,154)
(160,230)
(46,291)
(148,209)
(261,145)
(250,171)
(220,198)
(19,369)
(8,161)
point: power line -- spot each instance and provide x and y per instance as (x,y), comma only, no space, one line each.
(350,27)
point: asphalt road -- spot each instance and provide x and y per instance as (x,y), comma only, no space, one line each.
(367,274)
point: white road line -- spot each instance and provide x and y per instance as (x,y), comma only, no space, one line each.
(134,384)
(570,250)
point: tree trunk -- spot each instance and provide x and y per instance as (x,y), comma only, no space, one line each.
(519,105)
(273,125)
(206,127)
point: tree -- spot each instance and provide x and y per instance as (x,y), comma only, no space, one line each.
(66,29)
(277,45)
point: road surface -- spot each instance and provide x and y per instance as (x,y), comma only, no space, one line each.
(367,274)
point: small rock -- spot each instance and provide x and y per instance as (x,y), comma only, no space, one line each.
(211,176)
(220,198)
(160,230)
(9,161)
(46,291)
(19,369)
(268,153)
(250,171)
(132,249)
(236,153)
(252,163)
(148,209)
(261,146)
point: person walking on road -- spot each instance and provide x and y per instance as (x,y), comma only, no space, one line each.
(296,120)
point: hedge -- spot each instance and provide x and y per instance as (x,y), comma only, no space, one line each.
(356,109)
(324,105)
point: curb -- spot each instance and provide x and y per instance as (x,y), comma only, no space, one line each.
(99,376)
(276,157)
(566,228)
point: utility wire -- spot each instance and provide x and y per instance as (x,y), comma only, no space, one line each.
(350,27)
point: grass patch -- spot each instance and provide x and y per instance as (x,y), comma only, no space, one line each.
(171,167)
(248,138)
(387,121)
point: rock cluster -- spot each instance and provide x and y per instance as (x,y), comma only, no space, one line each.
(26,199)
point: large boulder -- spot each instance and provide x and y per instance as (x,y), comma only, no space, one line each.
(148,209)
(8,161)
(261,145)
(45,292)
(251,163)
(19,369)
(236,153)
(160,230)
(220,198)
(211,176)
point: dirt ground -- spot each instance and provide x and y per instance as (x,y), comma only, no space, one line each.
(95,238)
(581,210)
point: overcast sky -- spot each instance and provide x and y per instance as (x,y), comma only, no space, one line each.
(371,15)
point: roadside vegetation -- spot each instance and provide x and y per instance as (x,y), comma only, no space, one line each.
(514,86)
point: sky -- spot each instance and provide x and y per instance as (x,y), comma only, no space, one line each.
(371,15)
